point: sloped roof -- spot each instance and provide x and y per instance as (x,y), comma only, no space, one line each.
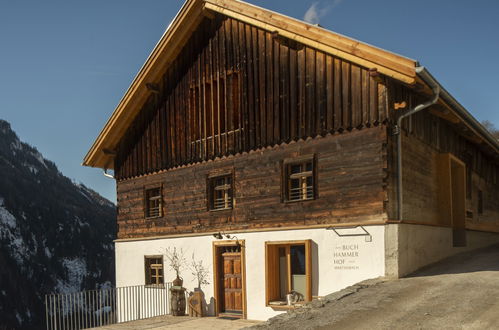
(190,15)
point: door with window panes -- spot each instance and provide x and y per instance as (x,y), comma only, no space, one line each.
(288,271)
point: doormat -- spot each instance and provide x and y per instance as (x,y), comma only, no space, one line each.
(230,318)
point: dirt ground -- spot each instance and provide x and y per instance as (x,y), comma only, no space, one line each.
(461,292)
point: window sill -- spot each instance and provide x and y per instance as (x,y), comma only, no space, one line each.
(285,307)
(155,286)
(155,217)
(221,210)
(299,200)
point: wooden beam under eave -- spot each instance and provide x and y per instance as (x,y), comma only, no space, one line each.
(448,116)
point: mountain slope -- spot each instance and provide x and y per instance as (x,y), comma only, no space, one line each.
(55,235)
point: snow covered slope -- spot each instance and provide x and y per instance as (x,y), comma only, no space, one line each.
(55,235)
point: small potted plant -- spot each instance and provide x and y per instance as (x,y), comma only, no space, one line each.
(177,261)
(197,305)
(200,272)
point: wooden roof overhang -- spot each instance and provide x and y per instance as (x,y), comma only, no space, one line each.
(190,15)
(449,109)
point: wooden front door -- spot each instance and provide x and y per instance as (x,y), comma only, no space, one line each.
(229,279)
(232,283)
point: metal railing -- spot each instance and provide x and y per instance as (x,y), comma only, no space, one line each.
(95,308)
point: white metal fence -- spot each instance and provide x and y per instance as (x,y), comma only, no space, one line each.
(95,308)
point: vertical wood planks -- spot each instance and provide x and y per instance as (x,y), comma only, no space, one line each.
(236,88)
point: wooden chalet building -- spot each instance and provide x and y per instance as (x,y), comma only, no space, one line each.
(289,158)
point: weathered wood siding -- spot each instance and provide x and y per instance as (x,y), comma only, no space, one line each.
(237,88)
(351,172)
(424,136)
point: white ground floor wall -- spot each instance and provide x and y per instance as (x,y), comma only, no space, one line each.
(340,257)
(410,247)
(338,260)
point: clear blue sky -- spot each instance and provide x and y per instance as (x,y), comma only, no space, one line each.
(65,64)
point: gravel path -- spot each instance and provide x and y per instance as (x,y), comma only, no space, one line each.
(461,292)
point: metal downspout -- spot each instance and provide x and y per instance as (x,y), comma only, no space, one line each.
(420,70)
(107,174)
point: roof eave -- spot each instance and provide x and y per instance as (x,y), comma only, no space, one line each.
(95,156)
(466,117)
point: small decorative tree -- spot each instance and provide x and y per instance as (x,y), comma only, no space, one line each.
(199,271)
(177,261)
(197,303)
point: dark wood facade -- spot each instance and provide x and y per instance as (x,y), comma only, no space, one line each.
(351,169)
(236,88)
(242,100)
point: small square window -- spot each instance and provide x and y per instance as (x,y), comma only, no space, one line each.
(299,179)
(153,203)
(154,270)
(220,192)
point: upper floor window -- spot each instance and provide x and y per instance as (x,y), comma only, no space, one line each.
(299,179)
(154,270)
(153,202)
(220,192)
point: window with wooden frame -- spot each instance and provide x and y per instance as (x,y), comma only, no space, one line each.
(288,270)
(154,270)
(299,176)
(220,192)
(153,202)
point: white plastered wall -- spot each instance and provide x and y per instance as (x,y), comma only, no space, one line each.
(410,247)
(337,262)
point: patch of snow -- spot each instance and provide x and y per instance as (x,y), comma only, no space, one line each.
(12,234)
(6,218)
(80,222)
(104,286)
(38,156)
(76,270)
(32,168)
(19,250)
(85,193)
(16,145)
(35,243)
(48,253)
(19,318)
(103,311)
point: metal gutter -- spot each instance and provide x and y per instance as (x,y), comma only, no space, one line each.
(439,92)
(420,70)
